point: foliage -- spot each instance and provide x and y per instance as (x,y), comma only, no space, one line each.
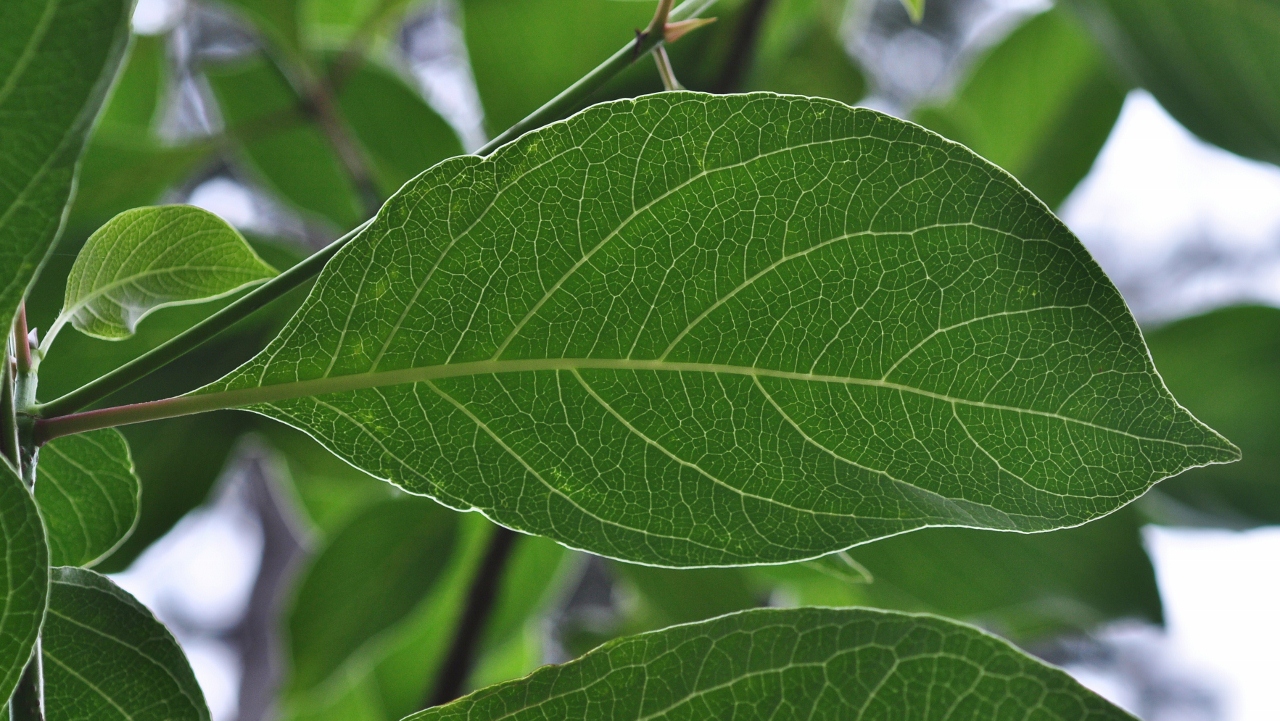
(741,344)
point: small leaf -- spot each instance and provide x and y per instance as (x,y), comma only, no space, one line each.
(693,330)
(795,664)
(915,8)
(1040,105)
(372,573)
(1210,64)
(57,60)
(88,496)
(24,576)
(149,258)
(107,657)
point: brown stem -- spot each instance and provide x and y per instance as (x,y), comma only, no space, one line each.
(738,60)
(21,346)
(481,598)
(320,101)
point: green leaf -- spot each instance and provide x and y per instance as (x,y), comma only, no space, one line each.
(149,258)
(801,51)
(1210,64)
(560,430)
(56,62)
(915,8)
(107,657)
(276,19)
(1040,105)
(1226,366)
(736,330)
(795,664)
(88,496)
(372,574)
(24,576)
(524,53)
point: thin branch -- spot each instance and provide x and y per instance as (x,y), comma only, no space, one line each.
(481,599)
(738,60)
(665,71)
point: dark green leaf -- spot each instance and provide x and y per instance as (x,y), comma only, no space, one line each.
(684,595)
(88,496)
(277,20)
(149,258)
(371,574)
(1225,365)
(1212,65)
(1040,105)
(56,62)
(107,657)
(524,53)
(24,575)
(801,51)
(708,330)
(795,664)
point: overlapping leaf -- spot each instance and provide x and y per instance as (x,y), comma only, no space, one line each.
(88,496)
(24,576)
(148,258)
(107,657)
(700,330)
(795,664)
(57,60)
(1212,65)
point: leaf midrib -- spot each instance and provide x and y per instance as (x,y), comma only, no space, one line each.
(212,400)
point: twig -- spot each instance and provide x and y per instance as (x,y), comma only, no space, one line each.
(665,71)
(481,598)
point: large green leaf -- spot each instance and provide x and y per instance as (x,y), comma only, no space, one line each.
(57,60)
(88,496)
(711,330)
(24,576)
(148,258)
(795,664)
(1226,366)
(1040,105)
(107,657)
(1211,64)
(368,578)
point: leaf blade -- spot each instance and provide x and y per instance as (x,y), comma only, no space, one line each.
(24,572)
(786,664)
(88,496)
(645,384)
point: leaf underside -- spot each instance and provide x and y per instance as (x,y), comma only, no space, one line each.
(800,663)
(88,496)
(107,657)
(696,330)
(24,576)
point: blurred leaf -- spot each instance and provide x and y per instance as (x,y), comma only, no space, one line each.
(24,577)
(331,24)
(684,595)
(1211,64)
(276,19)
(281,144)
(795,664)
(1225,367)
(1040,105)
(149,258)
(369,576)
(402,135)
(131,107)
(841,567)
(56,61)
(915,8)
(524,53)
(619,416)
(88,496)
(801,52)
(106,656)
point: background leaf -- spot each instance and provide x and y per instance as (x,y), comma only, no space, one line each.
(107,657)
(801,51)
(24,576)
(794,664)
(1212,65)
(88,496)
(1040,105)
(56,63)
(763,329)
(148,258)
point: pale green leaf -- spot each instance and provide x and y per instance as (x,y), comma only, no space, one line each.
(149,258)
(88,496)
(1211,64)
(106,657)
(915,8)
(1040,105)
(795,664)
(696,330)
(57,60)
(24,576)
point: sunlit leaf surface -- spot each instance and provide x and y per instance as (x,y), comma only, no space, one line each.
(88,495)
